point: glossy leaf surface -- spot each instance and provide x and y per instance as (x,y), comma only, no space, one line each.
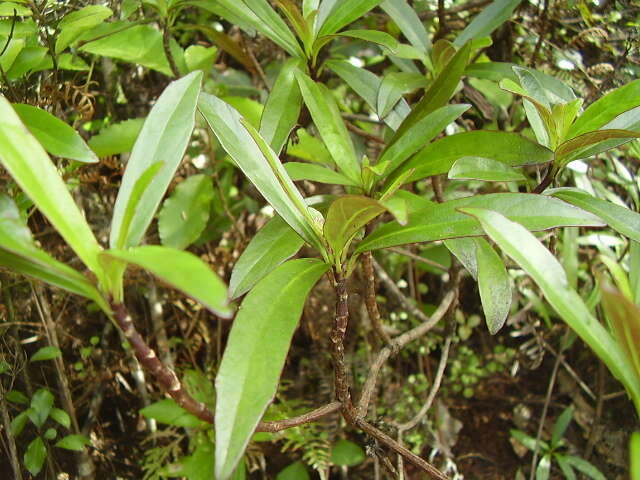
(253,359)
(316,173)
(181,270)
(342,14)
(483,169)
(35,455)
(442,221)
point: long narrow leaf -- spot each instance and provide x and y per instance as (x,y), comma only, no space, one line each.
(164,138)
(253,359)
(517,242)
(259,163)
(30,166)
(343,13)
(488,20)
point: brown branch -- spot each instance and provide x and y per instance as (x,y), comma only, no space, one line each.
(546,181)
(417,258)
(166,377)
(364,133)
(311,416)
(370,297)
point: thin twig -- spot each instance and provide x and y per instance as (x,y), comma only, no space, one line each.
(11,441)
(545,408)
(432,393)
(311,416)
(364,133)
(417,258)
(166,45)
(398,343)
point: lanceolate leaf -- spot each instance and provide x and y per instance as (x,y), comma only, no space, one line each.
(408,22)
(163,138)
(393,86)
(619,218)
(260,164)
(185,213)
(420,134)
(31,168)
(326,116)
(605,109)
(183,271)
(54,135)
(342,14)
(547,272)
(488,20)
(439,92)
(494,285)
(117,138)
(483,169)
(316,173)
(273,244)
(253,359)
(578,146)
(508,148)
(442,221)
(78,22)
(281,111)
(346,216)
(367,84)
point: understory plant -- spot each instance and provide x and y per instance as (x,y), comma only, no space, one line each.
(371,205)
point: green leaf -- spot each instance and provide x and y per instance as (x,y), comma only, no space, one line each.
(185,214)
(634,455)
(508,148)
(19,253)
(18,423)
(494,286)
(167,411)
(560,427)
(393,86)
(326,117)
(634,271)
(41,404)
(565,468)
(528,441)
(443,221)
(46,353)
(624,318)
(281,111)
(347,454)
(606,108)
(366,85)
(164,138)
(260,164)
(13,50)
(582,145)
(61,417)
(420,134)
(197,466)
(183,271)
(494,71)
(546,271)
(316,173)
(486,169)
(346,216)
(199,57)
(34,456)
(343,14)
(408,22)
(464,249)
(76,23)
(73,442)
(585,467)
(137,44)
(31,168)
(116,138)
(543,470)
(295,471)
(488,20)
(439,92)
(273,244)
(17,396)
(256,350)
(621,219)
(50,434)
